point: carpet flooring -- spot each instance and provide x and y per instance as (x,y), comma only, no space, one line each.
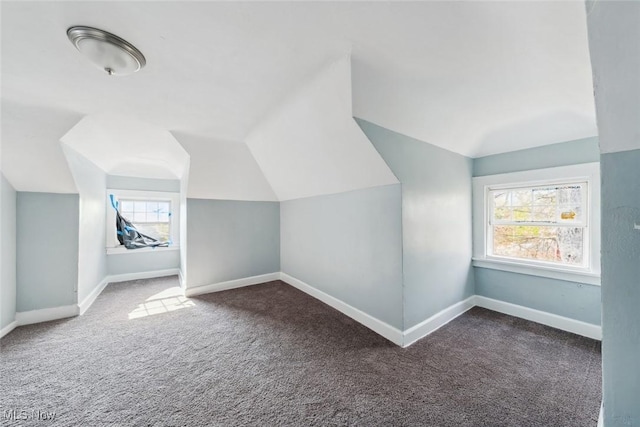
(270,355)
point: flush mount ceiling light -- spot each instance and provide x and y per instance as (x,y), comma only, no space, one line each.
(110,53)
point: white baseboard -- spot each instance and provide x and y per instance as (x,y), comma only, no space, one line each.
(10,327)
(601,417)
(559,322)
(115,278)
(46,314)
(231,284)
(389,332)
(436,321)
(54,313)
(86,303)
(183,282)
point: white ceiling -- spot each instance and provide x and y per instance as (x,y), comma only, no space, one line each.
(476,78)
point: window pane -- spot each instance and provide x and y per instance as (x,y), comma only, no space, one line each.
(556,204)
(544,196)
(158,231)
(543,243)
(570,203)
(163,217)
(503,213)
(126,206)
(139,206)
(501,199)
(152,207)
(522,213)
(139,217)
(521,197)
(544,213)
(163,207)
(152,211)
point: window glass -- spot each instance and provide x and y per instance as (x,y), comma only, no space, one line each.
(541,223)
(149,217)
(552,244)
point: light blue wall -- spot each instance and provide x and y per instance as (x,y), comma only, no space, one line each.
(184,185)
(436,221)
(348,245)
(563,154)
(573,300)
(621,287)
(92,256)
(47,250)
(614,36)
(7,252)
(143,184)
(230,240)
(569,299)
(139,262)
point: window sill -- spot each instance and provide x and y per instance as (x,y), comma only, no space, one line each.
(122,250)
(540,271)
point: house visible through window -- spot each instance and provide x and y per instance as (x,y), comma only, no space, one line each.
(149,217)
(543,223)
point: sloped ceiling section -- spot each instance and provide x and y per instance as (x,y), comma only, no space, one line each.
(223,170)
(476,78)
(32,158)
(479,78)
(120,145)
(310,145)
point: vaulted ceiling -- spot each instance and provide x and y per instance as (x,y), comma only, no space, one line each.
(475,78)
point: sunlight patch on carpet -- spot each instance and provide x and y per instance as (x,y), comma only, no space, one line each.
(170,299)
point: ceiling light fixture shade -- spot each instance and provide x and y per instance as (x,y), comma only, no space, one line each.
(110,53)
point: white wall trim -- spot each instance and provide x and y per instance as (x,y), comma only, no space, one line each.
(86,303)
(115,278)
(436,321)
(389,332)
(550,272)
(183,284)
(54,313)
(601,416)
(231,284)
(10,327)
(578,327)
(121,250)
(46,314)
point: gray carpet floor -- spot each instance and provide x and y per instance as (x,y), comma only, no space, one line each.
(270,355)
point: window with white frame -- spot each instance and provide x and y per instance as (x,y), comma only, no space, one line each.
(152,213)
(543,222)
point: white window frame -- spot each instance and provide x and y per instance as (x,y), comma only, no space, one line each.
(114,246)
(589,173)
